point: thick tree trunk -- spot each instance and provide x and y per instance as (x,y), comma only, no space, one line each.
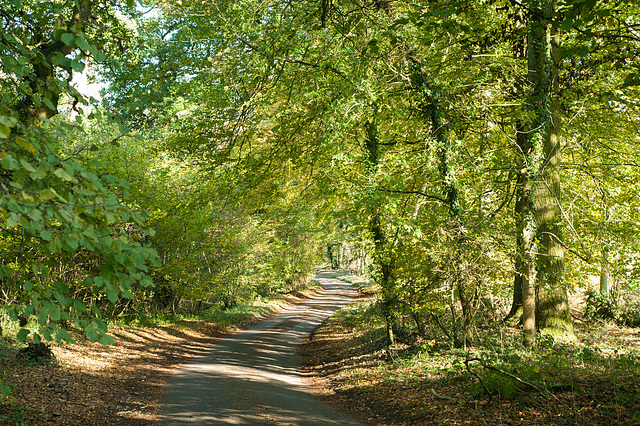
(605,269)
(514,317)
(529,249)
(552,306)
(604,273)
(528,169)
(531,148)
(523,179)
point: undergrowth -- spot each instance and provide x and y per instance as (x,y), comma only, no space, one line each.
(599,307)
(594,380)
(236,315)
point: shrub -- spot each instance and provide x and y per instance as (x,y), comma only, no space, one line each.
(603,308)
(599,307)
(630,316)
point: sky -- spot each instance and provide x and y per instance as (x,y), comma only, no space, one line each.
(84,87)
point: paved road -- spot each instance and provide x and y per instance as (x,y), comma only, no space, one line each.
(253,377)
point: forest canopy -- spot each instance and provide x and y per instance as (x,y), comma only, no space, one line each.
(464,154)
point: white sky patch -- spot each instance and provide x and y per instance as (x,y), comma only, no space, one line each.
(81,83)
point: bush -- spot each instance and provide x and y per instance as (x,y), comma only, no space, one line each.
(599,307)
(630,316)
(499,379)
(603,308)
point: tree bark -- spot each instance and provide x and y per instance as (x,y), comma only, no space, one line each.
(605,269)
(604,273)
(527,231)
(552,305)
(514,317)
(531,149)
(383,256)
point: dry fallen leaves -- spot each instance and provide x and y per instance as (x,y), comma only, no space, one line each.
(353,371)
(92,384)
(119,384)
(123,383)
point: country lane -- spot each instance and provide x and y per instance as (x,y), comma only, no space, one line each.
(253,377)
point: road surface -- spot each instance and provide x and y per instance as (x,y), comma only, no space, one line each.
(253,377)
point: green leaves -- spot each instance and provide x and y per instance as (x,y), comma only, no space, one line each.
(68,39)
(633,78)
(5,131)
(9,162)
(75,240)
(22,335)
(6,124)
(63,174)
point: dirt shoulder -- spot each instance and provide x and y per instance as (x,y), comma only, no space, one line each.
(119,384)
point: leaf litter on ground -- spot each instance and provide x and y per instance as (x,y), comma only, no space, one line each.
(594,381)
(348,363)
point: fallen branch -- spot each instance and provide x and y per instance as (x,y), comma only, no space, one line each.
(506,373)
(444,397)
(477,376)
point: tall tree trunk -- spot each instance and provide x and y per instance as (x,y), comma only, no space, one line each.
(525,268)
(527,227)
(604,272)
(552,306)
(432,111)
(532,156)
(514,316)
(529,163)
(383,255)
(605,269)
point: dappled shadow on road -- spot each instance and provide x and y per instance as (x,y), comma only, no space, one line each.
(122,383)
(253,377)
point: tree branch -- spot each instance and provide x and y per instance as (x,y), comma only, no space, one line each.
(429,196)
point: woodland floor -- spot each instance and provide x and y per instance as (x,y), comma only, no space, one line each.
(89,384)
(593,382)
(596,381)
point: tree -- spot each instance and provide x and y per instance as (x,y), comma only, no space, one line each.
(69,241)
(603,112)
(160,56)
(435,126)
